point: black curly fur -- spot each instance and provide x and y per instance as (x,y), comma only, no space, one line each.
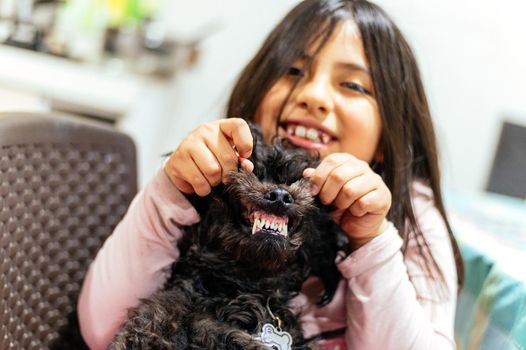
(217,294)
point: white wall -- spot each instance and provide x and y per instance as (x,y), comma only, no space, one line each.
(472,54)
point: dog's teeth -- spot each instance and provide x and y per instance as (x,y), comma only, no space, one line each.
(281,231)
(278,225)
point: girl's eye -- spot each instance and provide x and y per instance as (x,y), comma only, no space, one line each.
(295,72)
(357,87)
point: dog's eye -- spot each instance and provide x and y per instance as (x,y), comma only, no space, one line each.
(293,175)
(292,181)
(260,171)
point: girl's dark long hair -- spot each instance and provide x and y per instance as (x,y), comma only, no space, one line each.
(408,140)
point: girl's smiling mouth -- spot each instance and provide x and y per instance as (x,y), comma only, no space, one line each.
(306,134)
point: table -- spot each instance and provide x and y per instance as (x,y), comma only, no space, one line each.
(491,309)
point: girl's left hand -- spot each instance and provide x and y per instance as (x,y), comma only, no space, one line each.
(360,196)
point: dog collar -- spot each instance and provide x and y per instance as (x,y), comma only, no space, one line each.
(275,337)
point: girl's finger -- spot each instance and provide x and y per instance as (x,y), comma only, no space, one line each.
(238,131)
(373,202)
(207,164)
(246,164)
(354,189)
(360,232)
(182,185)
(323,170)
(224,153)
(308,172)
(194,177)
(337,179)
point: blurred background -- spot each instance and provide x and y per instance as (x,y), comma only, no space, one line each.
(157,68)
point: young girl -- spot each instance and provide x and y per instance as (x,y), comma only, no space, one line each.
(337,77)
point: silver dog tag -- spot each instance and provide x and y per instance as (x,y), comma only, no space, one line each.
(275,339)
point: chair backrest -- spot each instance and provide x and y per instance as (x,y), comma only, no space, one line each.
(64,185)
(508,172)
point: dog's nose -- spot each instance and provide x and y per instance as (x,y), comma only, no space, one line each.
(279,195)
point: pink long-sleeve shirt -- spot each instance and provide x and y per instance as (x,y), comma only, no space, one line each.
(386,300)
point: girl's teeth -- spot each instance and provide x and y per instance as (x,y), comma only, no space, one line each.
(300,131)
(310,133)
(313,135)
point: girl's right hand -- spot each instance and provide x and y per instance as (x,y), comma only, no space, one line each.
(208,154)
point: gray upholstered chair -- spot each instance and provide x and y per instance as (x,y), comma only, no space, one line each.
(64,185)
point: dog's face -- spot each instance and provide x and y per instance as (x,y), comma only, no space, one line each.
(261,219)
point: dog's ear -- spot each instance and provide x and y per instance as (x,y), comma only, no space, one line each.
(200,204)
(257,134)
(257,137)
(259,149)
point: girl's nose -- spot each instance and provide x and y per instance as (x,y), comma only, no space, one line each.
(315,96)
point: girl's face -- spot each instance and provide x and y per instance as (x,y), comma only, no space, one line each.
(332,108)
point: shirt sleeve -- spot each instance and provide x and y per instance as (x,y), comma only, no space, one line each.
(134,261)
(392,301)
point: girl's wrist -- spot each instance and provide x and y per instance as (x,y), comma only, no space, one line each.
(359,242)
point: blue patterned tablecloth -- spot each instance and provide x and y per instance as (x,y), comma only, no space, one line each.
(491,310)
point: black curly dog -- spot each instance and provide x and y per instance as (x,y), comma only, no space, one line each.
(260,236)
